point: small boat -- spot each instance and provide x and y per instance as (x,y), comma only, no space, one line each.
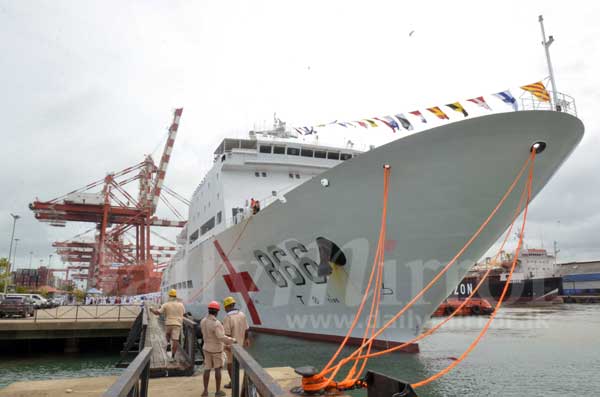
(475,307)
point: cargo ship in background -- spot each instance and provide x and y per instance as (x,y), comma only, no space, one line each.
(299,265)
(536,278)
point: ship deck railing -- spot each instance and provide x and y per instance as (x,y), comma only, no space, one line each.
(559,102)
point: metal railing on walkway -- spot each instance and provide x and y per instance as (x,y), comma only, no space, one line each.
(256,378)
(133,382)
(137,335)
(88,312)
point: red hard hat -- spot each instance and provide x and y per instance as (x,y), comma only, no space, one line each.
(214,305)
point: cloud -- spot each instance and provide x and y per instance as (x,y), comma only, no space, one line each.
(88,87)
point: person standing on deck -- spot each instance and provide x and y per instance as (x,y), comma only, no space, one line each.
(236,326)
(173,310)
(214,338)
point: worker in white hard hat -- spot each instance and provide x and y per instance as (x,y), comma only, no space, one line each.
(173,310)
(236,326)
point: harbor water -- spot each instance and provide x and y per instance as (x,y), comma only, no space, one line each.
(545,351)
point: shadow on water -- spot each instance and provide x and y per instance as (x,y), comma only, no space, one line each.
(44,359)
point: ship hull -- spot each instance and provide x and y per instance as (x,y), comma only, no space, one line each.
(521,291)
(444,183)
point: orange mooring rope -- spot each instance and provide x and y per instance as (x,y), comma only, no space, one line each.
(504,291)
(318,382)
(464,302)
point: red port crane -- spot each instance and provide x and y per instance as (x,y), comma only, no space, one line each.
(116,212)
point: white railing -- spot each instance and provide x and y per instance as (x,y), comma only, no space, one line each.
(564,103)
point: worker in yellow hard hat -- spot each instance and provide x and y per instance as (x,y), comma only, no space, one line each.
(236,326)
(173,310)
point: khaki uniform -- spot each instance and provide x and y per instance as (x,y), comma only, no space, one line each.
(173,311)
(214,339)
(235,325)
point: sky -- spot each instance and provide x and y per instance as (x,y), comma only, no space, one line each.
(88,87)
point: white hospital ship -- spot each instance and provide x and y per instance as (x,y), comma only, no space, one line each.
(299,266)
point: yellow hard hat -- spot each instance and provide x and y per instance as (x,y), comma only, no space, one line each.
(173,293)
(228,301)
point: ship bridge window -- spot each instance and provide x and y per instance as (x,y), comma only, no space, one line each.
(293,151)
(345,156)
(194,236)
(208,225)
(279,149)
(189,284)
(257,174)
(306,153)
(219,217)
(333,155)
(264,174)
(247,144)
(265,148)
(320,154)
(291,176)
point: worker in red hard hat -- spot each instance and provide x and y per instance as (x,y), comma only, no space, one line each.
(214,339)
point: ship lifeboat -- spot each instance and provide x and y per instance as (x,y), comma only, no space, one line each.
(475,307)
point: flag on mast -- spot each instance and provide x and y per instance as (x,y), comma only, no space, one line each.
(538,90)
(506,97)
(480,102)
(404,121)
(418,114)
(439,113)
(386,122)
(457,107)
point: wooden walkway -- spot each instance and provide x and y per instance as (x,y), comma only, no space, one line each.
(160,362)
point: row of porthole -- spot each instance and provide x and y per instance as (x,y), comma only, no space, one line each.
(181,285)
(304,152)
(258,174)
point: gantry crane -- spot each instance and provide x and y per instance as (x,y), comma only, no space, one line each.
(116,213)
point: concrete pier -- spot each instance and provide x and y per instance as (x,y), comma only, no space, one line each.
(160,387)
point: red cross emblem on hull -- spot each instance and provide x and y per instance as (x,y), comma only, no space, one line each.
(239,282)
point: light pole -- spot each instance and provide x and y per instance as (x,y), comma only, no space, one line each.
(30,258)
(14,260)
(12,238)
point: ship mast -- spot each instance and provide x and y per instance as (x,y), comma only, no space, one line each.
(546,44)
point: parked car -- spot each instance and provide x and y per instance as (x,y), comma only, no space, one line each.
(17,306)
(54,302)
(39,301)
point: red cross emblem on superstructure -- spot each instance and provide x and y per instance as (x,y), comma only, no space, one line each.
(240,282)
